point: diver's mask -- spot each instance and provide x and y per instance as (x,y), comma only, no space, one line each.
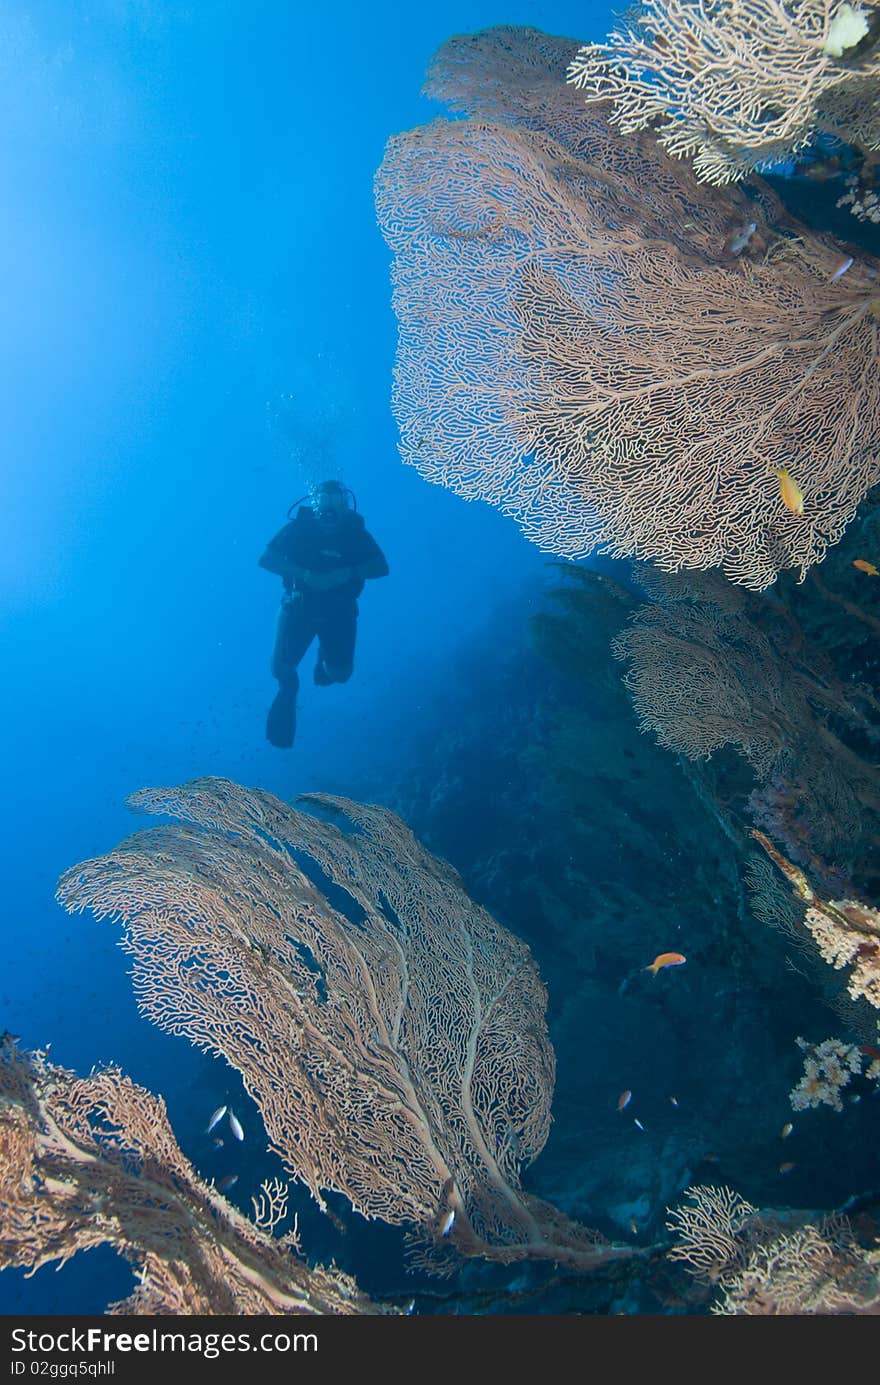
(329,501)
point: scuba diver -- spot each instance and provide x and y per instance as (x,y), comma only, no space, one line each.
(324,556)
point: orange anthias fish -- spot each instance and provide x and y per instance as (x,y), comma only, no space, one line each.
(864,566)
(665,959)
(789,490)
(623,1100)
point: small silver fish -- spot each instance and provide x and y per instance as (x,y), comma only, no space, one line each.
(218,1143)
(637,1122)
(842,267)
(228,1182)
(674,1100)
(217,1116)
(235,1126)
(738,240)
(448,1222)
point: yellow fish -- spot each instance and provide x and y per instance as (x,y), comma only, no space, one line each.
(792,495)
(864,566)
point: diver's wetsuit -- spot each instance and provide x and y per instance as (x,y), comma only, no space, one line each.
(309,545)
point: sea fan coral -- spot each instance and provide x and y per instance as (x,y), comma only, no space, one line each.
(93,1161)
(766,1264)
(711,665)
(390,1031)
(578,347)
(737,85)
(709,1231)
(812,1270)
